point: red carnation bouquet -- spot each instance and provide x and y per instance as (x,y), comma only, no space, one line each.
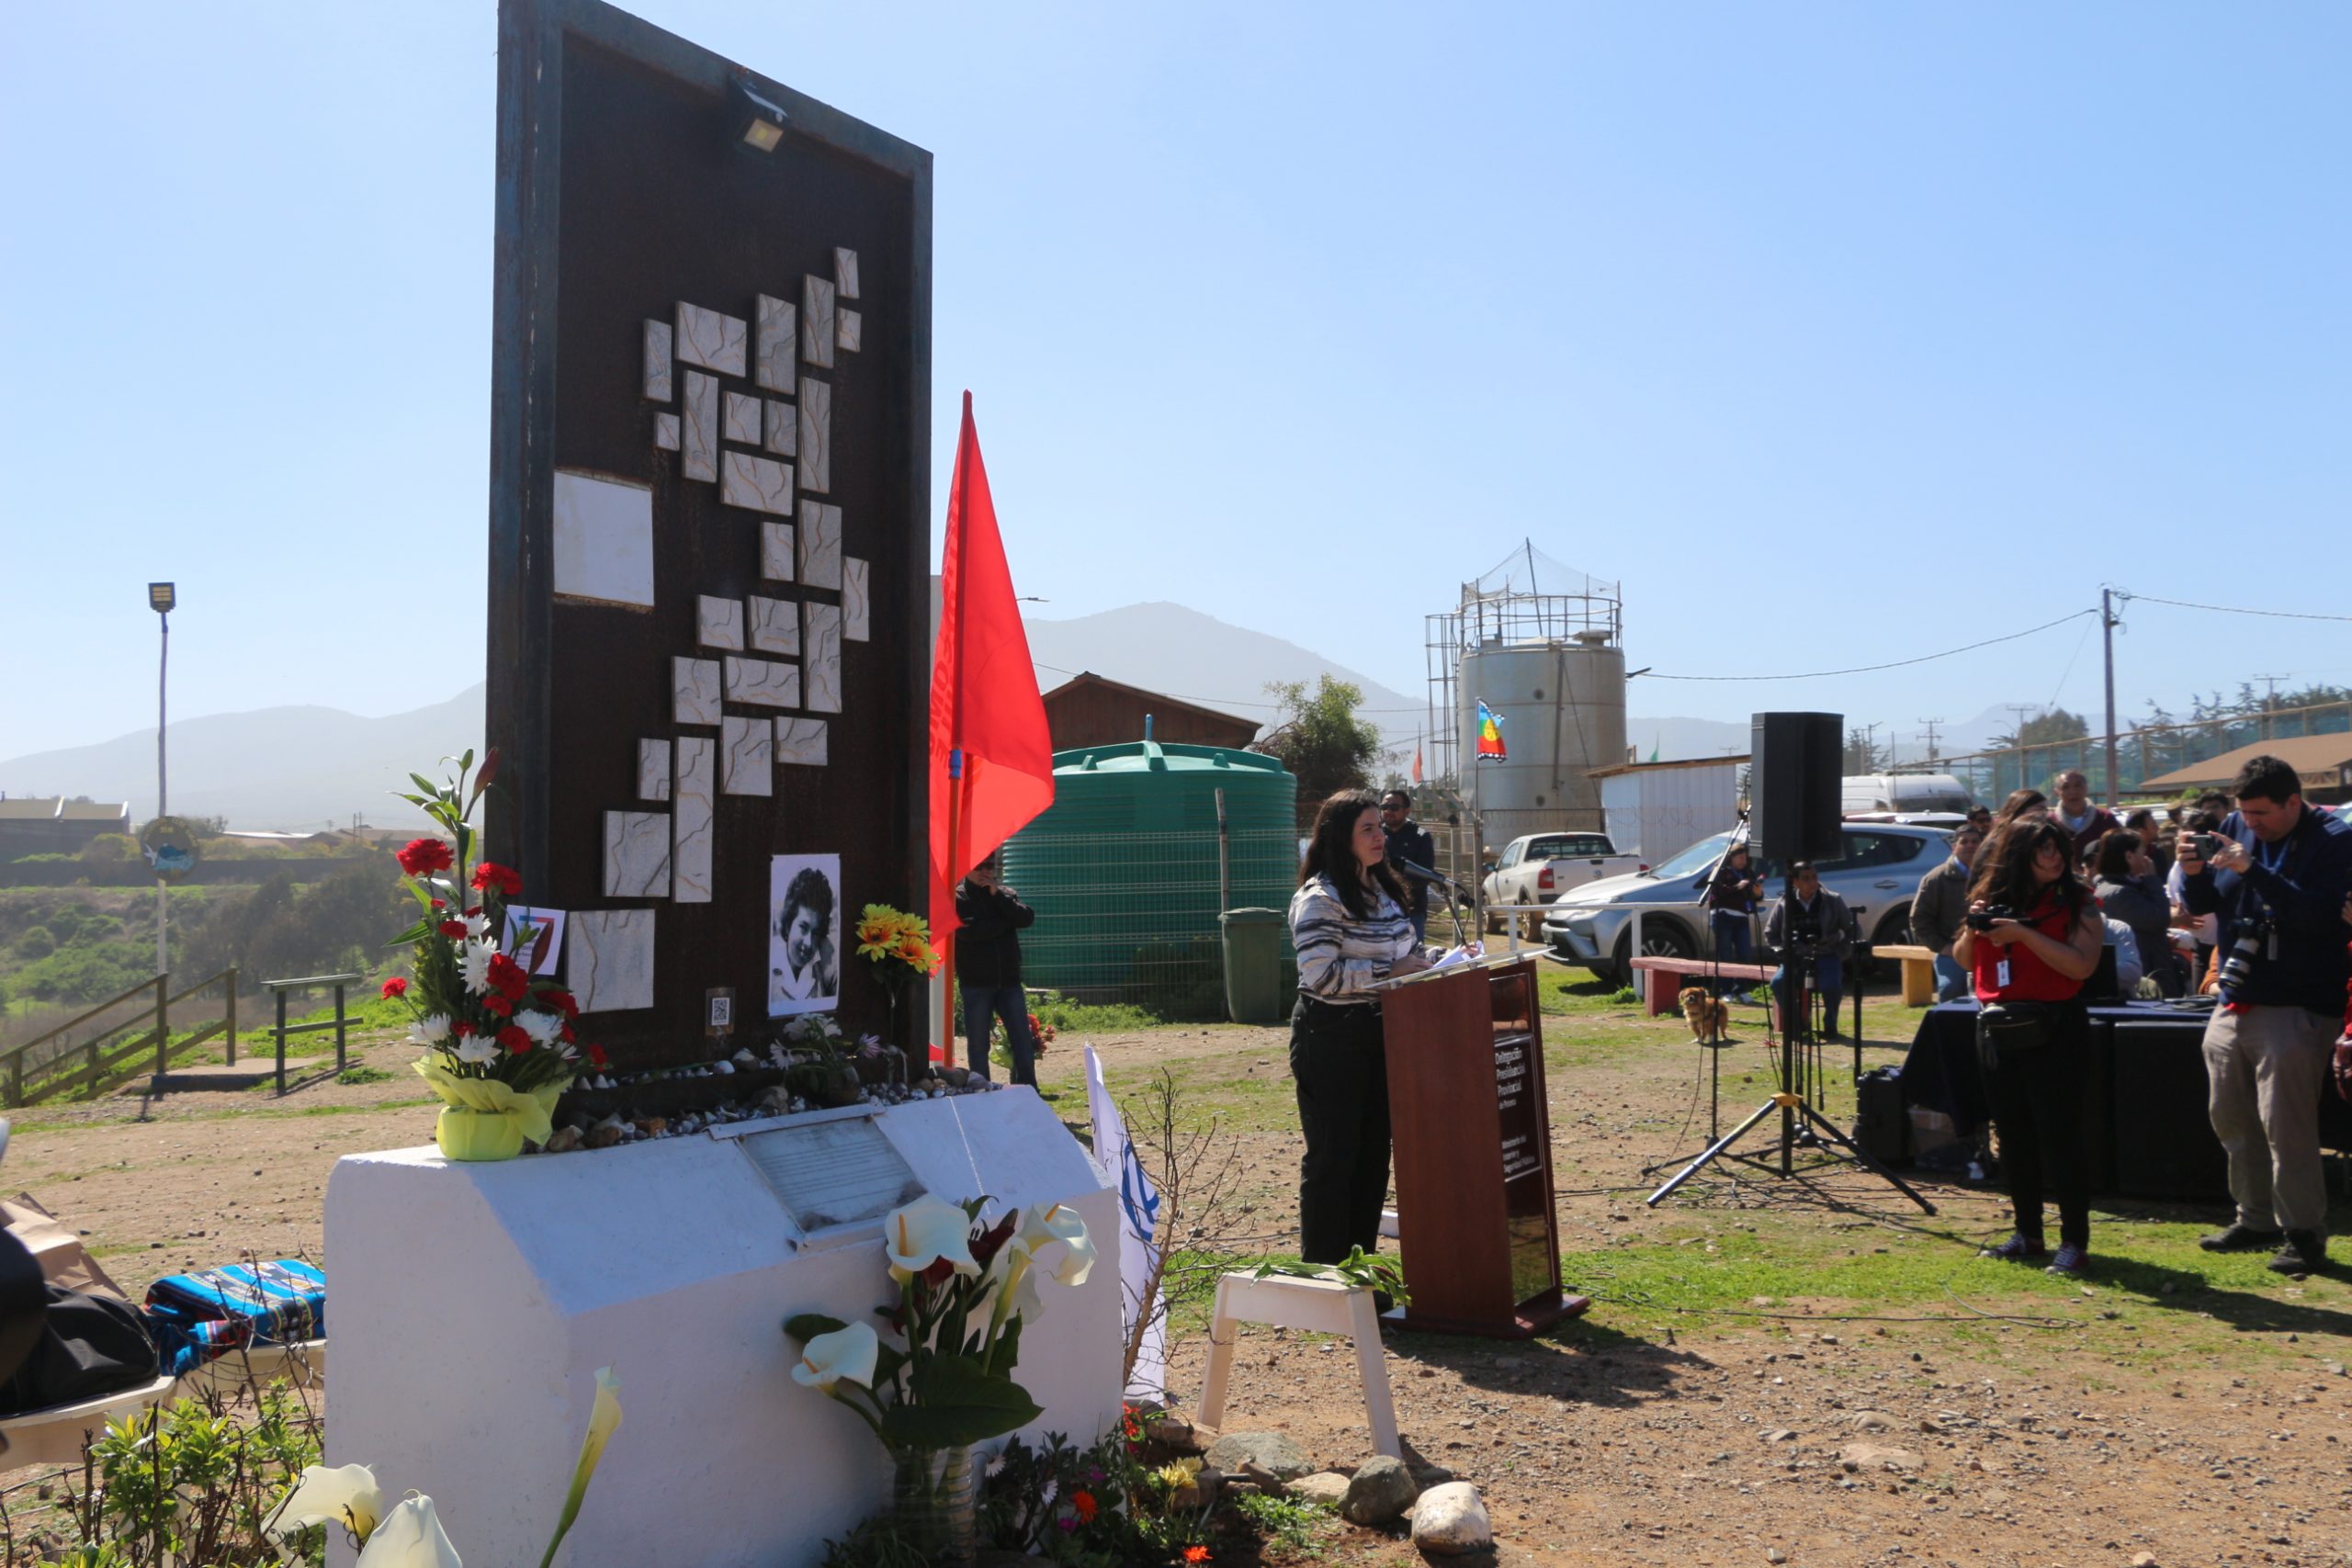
(497,1040)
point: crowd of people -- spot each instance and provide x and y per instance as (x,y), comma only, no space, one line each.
(2246,898)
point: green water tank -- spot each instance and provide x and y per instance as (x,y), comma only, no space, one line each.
(1128,872)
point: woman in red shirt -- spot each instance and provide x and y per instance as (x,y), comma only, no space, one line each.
(2034,1033)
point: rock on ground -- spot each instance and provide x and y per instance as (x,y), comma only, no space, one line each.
(1325,1488)
(1876,1456)
(1269,1451)
(1450,1519)
(1379,1492)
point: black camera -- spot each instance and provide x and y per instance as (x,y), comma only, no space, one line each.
(2207,845)
(2248,936)
(1981,920)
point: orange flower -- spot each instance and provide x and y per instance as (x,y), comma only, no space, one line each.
(1196,1554)
(1083,1502)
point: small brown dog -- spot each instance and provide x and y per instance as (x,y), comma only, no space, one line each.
(1706,1015)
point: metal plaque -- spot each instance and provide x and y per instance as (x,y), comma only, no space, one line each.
(828,1174)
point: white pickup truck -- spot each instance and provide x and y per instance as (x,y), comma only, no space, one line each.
(1541,866)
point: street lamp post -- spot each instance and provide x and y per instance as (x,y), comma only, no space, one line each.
(161,596)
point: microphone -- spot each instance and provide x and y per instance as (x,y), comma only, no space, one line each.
(1417,872)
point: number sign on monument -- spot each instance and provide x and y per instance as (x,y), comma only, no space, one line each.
(709,603)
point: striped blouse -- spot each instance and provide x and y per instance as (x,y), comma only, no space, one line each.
(1338,956)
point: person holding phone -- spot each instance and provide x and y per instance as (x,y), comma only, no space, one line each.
(2031,939)
(1349,928)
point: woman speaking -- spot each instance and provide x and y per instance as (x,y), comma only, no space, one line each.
(2032,938)
(1349,927)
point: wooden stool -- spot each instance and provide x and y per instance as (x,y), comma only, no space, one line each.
(1322,1307)
(1919,973)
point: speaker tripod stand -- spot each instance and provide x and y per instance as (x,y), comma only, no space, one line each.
(1798,1116)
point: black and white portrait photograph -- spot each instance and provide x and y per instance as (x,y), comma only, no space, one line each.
(803,934)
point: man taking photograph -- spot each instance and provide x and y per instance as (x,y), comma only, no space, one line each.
(2276,876)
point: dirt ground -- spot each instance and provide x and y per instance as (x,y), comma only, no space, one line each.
(2190,1409)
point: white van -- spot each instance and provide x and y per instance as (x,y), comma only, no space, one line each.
(1904,793)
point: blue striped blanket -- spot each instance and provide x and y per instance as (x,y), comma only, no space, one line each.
(196,1318)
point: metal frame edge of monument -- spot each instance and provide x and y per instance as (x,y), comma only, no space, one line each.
(525,353)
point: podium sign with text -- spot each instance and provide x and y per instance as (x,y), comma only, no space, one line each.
(1474,1152)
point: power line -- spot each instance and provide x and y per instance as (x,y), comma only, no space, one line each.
(2127,595)
(1897,664)
(1220,702)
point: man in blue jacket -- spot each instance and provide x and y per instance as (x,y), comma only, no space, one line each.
(2278,880)
(1409,840)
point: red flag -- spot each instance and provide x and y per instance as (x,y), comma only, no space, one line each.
(984,698)
(1417,762)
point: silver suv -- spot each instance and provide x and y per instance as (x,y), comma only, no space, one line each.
(1592,926)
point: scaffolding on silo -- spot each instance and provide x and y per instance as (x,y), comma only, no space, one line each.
(1528,598)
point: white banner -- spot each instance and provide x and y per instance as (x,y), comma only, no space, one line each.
(1138,1219)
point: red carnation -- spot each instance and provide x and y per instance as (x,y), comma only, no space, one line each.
(562,1001)
(396,986)
(490,874)
(454,930)
(507,977)
(513,1039)
(596,1057)
(422,857)
(495,1003)
(565,1034)
(461,1030)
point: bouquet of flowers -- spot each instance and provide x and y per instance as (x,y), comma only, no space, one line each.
(498,1042)
(897,945)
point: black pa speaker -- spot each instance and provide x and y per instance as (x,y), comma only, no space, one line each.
(1795,786)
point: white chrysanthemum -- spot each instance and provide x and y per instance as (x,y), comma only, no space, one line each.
(476,1048)
(477,963)
(542,1027)
(431,1030)
(478,925)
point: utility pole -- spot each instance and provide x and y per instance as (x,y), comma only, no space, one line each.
(1931,722)
(161,597)
(2270,701)
(2108,622)
(1869,746)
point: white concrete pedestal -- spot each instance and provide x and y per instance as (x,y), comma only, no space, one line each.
(470,1306)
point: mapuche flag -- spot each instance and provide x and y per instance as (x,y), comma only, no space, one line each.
(1490,735)
(991,754)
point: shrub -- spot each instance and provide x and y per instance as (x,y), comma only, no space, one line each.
(35,941)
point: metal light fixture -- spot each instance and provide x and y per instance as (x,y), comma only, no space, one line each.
(160,598)
(759,124)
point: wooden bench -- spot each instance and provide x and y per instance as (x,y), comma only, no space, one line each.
(1919,973)
(1663,978)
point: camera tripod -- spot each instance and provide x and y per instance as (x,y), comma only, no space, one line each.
(1800,1080)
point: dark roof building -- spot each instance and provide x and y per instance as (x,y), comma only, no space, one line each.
(48,825)
(1089,710)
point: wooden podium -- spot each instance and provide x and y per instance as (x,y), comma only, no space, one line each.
(1472,1139)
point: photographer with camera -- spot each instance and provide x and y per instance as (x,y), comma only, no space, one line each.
(1733,894)
(2277,876)
(2031,939)
(1809,931)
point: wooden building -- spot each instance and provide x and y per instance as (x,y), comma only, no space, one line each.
(1088,710)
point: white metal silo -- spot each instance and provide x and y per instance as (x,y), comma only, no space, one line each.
(1562,704)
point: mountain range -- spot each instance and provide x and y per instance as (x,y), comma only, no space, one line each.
(303,768)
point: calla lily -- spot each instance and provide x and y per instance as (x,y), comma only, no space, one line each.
(1027,1305)
(1050,1223)
(845,1354)
(929,1231)
(410,1537)
(348,1496)
(604,1420)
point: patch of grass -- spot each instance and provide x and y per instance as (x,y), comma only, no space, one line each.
(360,1072)
(1285,1522)
(1103,1018)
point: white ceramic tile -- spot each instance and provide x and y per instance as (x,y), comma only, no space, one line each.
(609,965)
(666,432)
(817,322)
(820,641)
(776,551)
(851,333)
(718,623)
(774,365)
(820,543)
(855,609)
(711,339)
(759,483)
(702,427)
(800,742)
(773,625)
(653,770)
(697,788)
(845,272)
(604,539)
(637,854)
(783,429)
(746,751)
(816,435)
(694,684)
(762,683)
(739,418)
(657,361)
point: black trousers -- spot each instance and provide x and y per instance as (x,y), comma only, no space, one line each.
(2037,1097)
(1342,1071)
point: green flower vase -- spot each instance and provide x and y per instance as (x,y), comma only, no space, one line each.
(477,1135)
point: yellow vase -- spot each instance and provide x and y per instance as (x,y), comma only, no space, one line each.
(477,1134)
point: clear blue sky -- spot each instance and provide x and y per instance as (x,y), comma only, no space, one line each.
(1837,333)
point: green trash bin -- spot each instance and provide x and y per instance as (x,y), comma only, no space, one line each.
(1254,992)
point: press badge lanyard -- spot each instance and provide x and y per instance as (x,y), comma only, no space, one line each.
(2271,863)
(2001,967)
